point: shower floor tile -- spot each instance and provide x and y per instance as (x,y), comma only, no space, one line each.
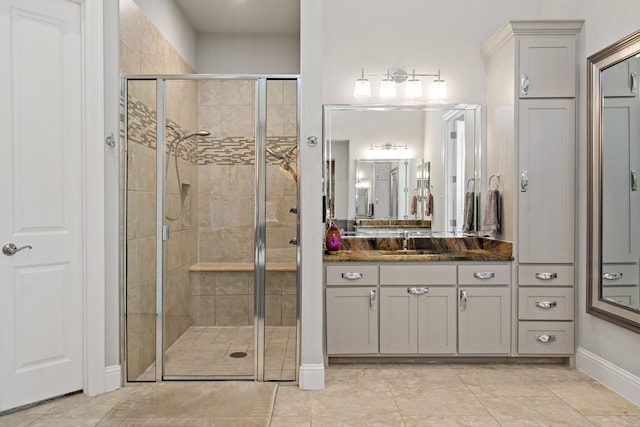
(205,351)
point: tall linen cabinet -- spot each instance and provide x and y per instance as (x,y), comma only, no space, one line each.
(531,71)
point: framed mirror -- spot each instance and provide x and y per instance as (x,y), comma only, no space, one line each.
(403,166)
(613,245)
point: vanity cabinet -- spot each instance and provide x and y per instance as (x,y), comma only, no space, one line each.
(531,72)
(418,309)
(352,309)
(484,309)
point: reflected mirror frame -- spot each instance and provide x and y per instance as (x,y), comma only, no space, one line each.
(596,63)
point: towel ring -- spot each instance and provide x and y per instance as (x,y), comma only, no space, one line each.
(497,177)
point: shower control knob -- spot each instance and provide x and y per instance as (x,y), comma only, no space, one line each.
(294,210)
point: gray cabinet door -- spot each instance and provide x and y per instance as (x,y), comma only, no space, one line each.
(546,183)
(352,320)
(398,320)
(484,320)
(437,329)
(547,67)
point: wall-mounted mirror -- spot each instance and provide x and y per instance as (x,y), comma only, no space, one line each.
(408,164)
(613,270)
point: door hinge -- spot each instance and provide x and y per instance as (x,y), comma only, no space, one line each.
(165,232)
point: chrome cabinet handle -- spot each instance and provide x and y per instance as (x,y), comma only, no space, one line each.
(484,275)
(352,276)
(10,249)
(524,84)
(417,291)
(546,304)
(524,181)
(612,276)
(634,82)
(463,300)
(546,276)
(634,180)
(372,299)
(544,338)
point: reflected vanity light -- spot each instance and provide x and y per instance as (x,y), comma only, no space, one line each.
(413,86)
(388,146)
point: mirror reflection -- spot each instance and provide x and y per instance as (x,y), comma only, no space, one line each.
(410,166)
(620,193)
(613,267)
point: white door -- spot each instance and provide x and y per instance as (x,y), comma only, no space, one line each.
(40,200)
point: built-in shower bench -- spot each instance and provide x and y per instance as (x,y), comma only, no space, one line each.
(240,266)
(222,293)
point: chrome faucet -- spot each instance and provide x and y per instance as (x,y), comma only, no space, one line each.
(405,240)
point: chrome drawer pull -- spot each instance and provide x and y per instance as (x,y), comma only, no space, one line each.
(352,276)
(372,299)
(417,291)
(612,276)
(484,275)
(546,276)
(546,304)
(545,338)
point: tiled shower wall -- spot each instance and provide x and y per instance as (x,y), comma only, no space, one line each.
(226,202)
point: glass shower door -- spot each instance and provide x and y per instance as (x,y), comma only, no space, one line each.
(211,282)
(281,231)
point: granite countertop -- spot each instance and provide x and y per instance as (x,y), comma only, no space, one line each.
(421,250)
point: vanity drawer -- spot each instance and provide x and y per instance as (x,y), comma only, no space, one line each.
(545,338)
(417,274)
(484,274)
(545,303)
(353,275)
(545,275)
(619,274)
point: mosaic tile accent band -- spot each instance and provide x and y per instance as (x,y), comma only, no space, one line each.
(202,150)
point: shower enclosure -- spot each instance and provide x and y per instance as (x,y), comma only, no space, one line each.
(210,225)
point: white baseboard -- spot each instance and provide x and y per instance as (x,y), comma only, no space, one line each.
(311,376)
(112,380)
(610,375)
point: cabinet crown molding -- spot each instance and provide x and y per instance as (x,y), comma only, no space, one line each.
(525,28)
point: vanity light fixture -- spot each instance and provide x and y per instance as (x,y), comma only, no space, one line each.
(362,89)
(388,146)
(413,87)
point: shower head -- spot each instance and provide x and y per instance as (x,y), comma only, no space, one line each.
(179,137)
(189,135)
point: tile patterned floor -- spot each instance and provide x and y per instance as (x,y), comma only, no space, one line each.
(403,395)
(205,351)
(454,395)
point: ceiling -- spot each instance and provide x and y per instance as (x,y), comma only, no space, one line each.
(242,16)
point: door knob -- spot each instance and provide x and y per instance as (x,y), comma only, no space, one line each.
(9,249)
